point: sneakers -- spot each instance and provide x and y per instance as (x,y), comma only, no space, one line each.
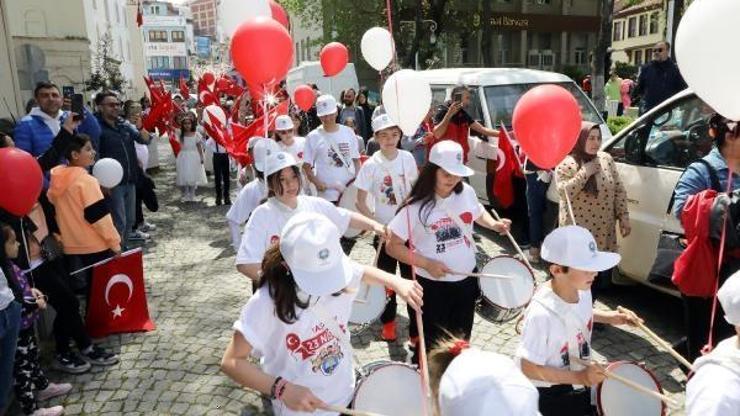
(389,331)
(50,411)
(139,236)
(97,355)
(70,363)
(218,202)
(53,390)
(146,227)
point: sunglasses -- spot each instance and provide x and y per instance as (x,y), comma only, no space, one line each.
(112,104)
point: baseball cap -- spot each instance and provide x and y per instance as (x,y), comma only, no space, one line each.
(278,162)
(262,150)
(325,105)
(448,155)
(283,123)
(575,247)
(383,122)
(729,297)
(309,243)
(482,383)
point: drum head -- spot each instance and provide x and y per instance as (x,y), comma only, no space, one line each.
(507,293)
(348,201)
(391,389)
(368,305)
(616,399)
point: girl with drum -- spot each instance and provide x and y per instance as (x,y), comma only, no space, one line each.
(296,321)
(285,200)
(437,220)
(387,176)
(558,323)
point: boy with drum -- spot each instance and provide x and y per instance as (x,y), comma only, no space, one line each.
(556,336)
(714,389)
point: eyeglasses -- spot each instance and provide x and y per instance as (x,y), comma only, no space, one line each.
(112,104)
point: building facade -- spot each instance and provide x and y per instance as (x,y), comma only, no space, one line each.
(166,43)
(205,17)
(637,28)
(9,88)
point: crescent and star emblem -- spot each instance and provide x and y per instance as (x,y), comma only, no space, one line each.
(501,159)
(119,278)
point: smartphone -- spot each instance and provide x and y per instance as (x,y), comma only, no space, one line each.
(68,91)
(457,97)
(78,106)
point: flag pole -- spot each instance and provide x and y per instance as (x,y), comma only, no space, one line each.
(101,262)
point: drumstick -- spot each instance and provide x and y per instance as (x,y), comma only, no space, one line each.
(660,341)
(635,386)
(350,412)
(513,241)
(358,300)
(485,275)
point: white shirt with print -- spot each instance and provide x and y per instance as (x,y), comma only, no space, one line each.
(714,390)
(296,149)
(267,220)
(248,199)
(544,338)
(377,181)
(330,167)
(437,236)
(307,352)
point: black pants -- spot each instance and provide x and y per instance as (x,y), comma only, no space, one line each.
(82,282)
(52,279)
(388,264)
(139,221)
(221,173)
(449,308)
(562,399)
(698,312)
(27,371)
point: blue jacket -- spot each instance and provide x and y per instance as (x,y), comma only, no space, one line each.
(117,142)
(32,135)
(696,178)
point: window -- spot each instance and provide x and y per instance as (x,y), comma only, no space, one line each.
(674,137)
(159,62)
(178,36)
(648,54)
(157,36)
(632,27)
(179,62)
(580,56)
(643,24)
(654,22)
(617,35)
(638,57)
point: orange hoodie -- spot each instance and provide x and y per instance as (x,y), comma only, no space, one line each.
(83,215)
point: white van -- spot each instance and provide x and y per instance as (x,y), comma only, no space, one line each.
(495,92)
(311,73)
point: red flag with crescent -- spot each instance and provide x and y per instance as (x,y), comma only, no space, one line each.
(508,167)
(117,297)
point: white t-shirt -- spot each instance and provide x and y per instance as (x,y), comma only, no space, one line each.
(376,179)
(544,338)
(307,352)
(331,168)
(438,237)
(267,221)
(296,149)
(248,199)
(714,390)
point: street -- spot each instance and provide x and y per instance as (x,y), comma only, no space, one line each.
(195,294)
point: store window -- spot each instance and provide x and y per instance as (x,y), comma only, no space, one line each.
(180,62)
(159,62)
(178,36)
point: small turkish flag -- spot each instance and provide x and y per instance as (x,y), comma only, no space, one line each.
(117,297)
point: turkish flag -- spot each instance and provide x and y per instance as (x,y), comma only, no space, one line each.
(184,89)
(139,15)
(508,167)
(117,297)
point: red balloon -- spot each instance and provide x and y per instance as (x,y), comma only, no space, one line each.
(208,78)
(334,57)
(547,120)
(304,97)
(278,13)
(262,51)
(21,182)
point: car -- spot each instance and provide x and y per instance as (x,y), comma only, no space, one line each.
(651,154)
(311,73)
(495,92)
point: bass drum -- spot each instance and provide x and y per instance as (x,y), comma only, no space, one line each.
(613,398)
(348,201)
(504,299)
(389,388)
(366,308)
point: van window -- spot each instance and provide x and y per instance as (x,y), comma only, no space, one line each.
(441,93)
(502,99)
(673,137)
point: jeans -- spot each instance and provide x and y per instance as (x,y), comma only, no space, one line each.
(123,208)
(10,322)
(537,204)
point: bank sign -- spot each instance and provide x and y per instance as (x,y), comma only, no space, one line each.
(165,49)
(203,46)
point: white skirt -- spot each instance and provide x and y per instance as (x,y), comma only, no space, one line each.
(190,172)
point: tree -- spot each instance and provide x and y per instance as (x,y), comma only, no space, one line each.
(598,58)
(106,73)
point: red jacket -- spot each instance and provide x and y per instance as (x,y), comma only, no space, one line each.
(695,270)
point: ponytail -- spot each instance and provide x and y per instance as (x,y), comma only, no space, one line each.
(280,285)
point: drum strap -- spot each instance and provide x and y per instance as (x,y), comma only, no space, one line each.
(335,148)
(572,323)
(396,181)
(466,230)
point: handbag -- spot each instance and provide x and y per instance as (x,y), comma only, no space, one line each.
(670,247)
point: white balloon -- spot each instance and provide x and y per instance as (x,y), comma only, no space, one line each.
(108,172)
(235,12)
(214,111)
(377,47)
(407,97)
(706,52)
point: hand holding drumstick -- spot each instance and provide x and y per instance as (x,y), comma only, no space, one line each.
(660,341)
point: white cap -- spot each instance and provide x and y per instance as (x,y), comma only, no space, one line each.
(448,155)
(383,122)
(310,246)
(283,123)
(252,141)
(481,383)
(325,105)
(575,247)
(278,162)
(729,297)
(262,150)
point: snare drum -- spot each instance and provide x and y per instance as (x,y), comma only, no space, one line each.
(614,398)
(348,201)
(504,299)
(389,388)
(366,308)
